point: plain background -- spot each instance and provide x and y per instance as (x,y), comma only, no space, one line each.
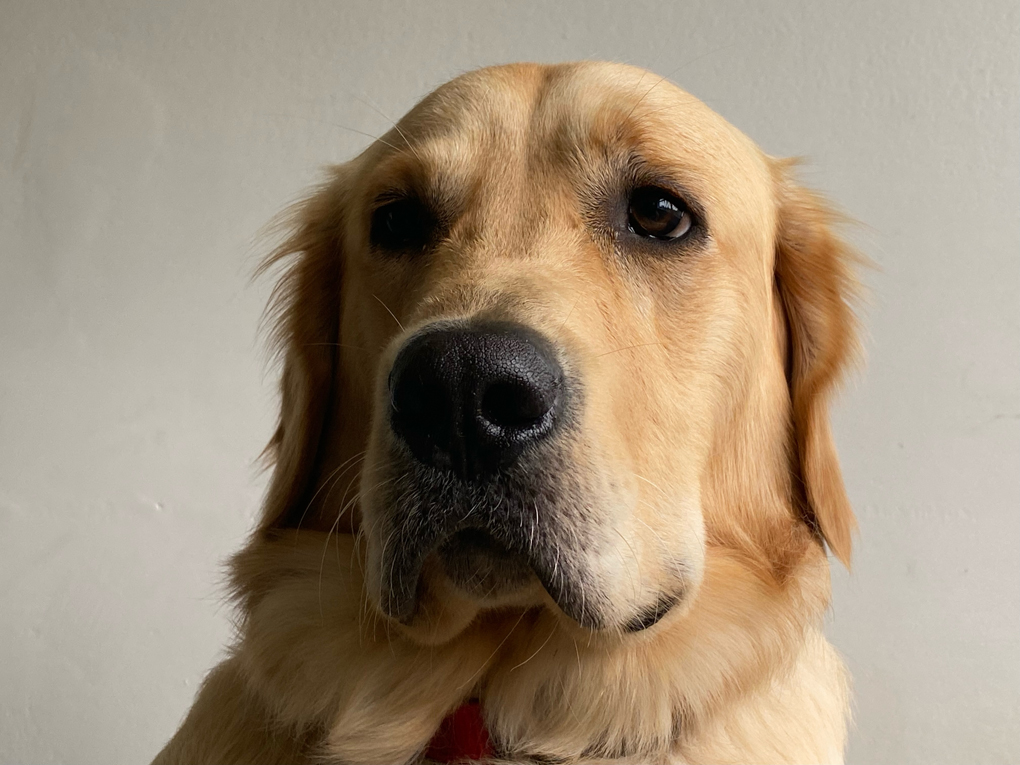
(143,146)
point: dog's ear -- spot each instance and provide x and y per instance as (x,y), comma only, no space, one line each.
(304,313)
(816,283)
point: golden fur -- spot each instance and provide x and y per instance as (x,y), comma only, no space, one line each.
(703,451)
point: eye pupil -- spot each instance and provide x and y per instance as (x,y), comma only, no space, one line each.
(402,224)
(657,214)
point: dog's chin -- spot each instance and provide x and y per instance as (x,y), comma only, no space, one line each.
(470,575)
(455,551)
(467,578)
(483,569)
(466,574)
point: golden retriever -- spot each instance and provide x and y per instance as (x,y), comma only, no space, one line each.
(553,444)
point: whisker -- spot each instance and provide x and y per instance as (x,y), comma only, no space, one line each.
(495,651)
(570,313)
(335,125)
(671,556)
(396,127)
(577,547)
(672,73)
(341,345)
(363,604)
(563,685)
(325,500)
(650,483)
(323,486)
(533,655)
(332,530)
(635,569)
(322,563)
(645,94)
(627,348)
(389,312)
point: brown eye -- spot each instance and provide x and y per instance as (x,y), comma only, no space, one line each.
(658,214)
(403,224)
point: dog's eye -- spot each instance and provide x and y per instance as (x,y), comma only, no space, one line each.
(403,224)
(656,213)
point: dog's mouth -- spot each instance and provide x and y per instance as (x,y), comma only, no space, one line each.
(481,567)
(525,540)
(497,543)
(497,561)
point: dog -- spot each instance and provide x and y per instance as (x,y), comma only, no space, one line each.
(553,462)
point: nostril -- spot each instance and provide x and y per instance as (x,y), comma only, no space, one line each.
(422,404)
(518,405)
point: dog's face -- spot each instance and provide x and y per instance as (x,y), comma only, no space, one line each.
(546,321)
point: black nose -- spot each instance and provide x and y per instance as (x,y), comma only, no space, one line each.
(470,399)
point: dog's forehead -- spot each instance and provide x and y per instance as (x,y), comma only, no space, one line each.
(523,110)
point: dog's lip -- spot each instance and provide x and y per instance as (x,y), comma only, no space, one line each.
(402,595)
(477,563)
(478,540)
(405,570)
(648,617)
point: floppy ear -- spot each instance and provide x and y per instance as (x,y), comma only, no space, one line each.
(305,314)
(816,283)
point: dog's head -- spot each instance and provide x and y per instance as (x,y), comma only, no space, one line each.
(551,341)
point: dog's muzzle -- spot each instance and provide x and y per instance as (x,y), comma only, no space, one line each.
(475,409)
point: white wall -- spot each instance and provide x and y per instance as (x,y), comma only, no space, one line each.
(143,145)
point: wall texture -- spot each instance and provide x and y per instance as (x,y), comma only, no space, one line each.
(142,146)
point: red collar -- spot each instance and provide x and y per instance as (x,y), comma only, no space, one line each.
(462,737)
